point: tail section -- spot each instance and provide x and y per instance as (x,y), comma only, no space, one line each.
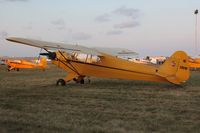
(43,62)
(176,68)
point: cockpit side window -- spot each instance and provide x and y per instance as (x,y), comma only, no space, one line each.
(87,58)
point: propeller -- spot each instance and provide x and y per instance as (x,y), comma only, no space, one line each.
(50,55)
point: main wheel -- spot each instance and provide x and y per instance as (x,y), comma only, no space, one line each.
(9,68)
(61,82)
(82,81)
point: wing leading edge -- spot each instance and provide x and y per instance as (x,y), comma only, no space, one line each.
(116,51)
(54,46)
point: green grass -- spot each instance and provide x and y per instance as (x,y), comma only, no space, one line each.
(31,102)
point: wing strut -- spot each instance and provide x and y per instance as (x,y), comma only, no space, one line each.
(52,56)
(70,66)
(39,56)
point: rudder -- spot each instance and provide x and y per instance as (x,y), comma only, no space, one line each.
(176,68)
(43,62)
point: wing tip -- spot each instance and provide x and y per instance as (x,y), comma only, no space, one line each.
(11,39)
(16,39)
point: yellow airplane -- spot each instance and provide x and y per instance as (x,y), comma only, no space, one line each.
(24,64)
(194,63)
(80,62)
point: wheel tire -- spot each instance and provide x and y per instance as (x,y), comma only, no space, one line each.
(82,81)
(8,68)
(61,82)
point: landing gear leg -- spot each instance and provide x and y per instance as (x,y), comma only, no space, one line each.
(89,81)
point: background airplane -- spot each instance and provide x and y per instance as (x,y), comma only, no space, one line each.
(194,63)
(25,64)
(157,60)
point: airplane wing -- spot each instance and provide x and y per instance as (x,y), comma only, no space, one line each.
(116,51)
(50,46)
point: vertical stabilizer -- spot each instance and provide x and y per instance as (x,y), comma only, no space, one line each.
(43,62)
(176,68)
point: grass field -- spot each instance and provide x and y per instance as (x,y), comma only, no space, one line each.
(30,102)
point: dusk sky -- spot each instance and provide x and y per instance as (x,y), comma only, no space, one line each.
(148,27)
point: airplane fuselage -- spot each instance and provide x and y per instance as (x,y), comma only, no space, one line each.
(109,67)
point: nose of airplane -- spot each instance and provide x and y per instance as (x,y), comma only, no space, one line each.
(50,55)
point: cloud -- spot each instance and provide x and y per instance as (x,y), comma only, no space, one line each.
(81,36)
(128,12)
(130,19)
(127,25)
(3,35)
(103,18)
(59,24)
(115,32)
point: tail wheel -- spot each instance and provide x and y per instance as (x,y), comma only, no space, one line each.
(61,82)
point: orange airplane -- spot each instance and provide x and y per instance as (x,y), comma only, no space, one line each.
(194,63)
(24,64)
(80,62)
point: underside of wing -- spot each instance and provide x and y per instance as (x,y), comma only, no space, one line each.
(50,46)
(116,51)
